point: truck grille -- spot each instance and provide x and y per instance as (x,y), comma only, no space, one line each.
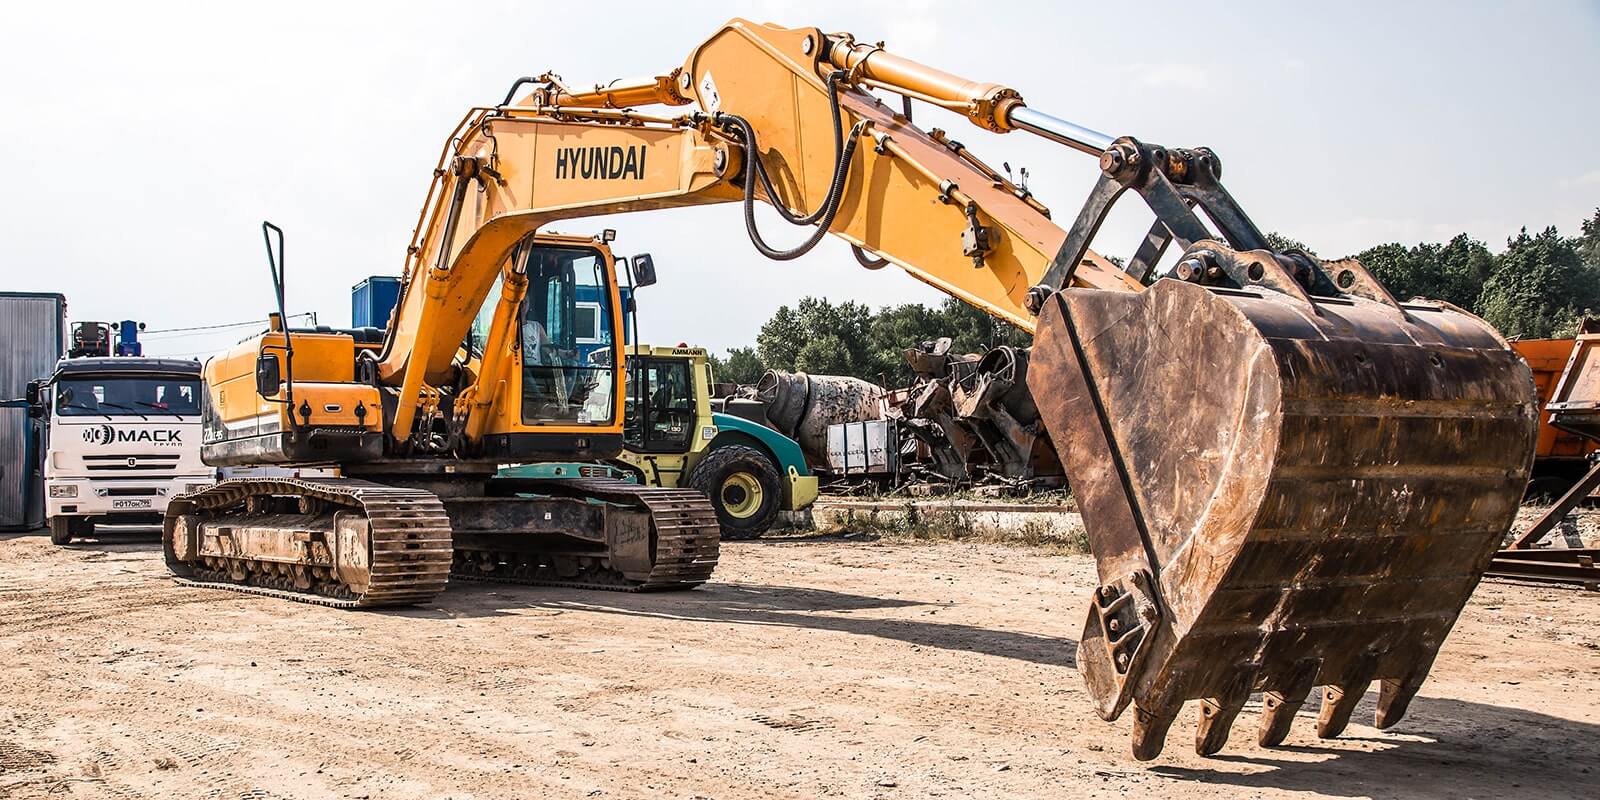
(143,463)
(127,491)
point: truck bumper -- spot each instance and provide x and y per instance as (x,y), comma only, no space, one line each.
(111,498)
(802,491)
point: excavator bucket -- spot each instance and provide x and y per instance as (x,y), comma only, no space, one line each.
(1283,492)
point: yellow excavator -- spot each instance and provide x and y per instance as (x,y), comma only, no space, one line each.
(1289,479)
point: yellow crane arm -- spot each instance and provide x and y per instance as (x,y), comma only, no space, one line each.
(916,199)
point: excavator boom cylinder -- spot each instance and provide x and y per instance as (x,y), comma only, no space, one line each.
(1059,130)
(989,105)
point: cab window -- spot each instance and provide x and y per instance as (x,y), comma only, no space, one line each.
(565,337)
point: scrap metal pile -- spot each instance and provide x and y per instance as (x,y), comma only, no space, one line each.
(968,420)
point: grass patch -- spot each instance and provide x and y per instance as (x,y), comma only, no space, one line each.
(936,522)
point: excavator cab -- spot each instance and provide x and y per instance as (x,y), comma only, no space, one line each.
(556,345)
(566,320)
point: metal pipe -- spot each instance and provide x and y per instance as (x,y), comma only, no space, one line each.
(623,93)
(1070,134)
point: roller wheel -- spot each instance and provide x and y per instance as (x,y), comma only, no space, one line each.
(744,487)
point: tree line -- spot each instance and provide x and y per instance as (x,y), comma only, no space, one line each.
(1541,285)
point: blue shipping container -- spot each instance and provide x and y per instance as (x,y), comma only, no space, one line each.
(372,301)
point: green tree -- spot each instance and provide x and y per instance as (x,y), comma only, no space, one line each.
(839,331)
(818,336)
(974,331)
(1279,242)
(827,354)
(780,338)
(1540,287)
(1454,272)
(1589,242)
(741,366)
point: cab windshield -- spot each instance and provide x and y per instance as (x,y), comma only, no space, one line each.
(566,338)
(123,396)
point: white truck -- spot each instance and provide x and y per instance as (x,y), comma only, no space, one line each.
(122,437)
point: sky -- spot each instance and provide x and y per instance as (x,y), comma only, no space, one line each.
(143,143)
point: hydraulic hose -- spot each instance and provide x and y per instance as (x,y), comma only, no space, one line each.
(823,216)
(868,261)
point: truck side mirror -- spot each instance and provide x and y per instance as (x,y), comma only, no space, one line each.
(644,271)
(268,375)
(34,395)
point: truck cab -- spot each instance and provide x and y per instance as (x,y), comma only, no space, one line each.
(122,437)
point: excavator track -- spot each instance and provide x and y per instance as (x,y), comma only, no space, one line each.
(228,537)
(685,532)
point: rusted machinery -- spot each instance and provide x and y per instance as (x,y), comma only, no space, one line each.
(969,419)
(1561,457)
(974,414)
(802,406)
(1573,409)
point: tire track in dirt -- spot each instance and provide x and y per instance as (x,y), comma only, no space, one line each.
(815,670)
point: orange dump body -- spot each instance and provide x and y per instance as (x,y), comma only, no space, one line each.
(1548,358)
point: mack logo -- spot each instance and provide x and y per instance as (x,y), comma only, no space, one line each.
(600,163)
(105,434)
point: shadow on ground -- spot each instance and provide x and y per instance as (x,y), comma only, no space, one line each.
(1444,748)
(759,604)
(811,537)
(121,538)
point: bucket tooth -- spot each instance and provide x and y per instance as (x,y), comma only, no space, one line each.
(1279,706)
(1394,697)
(1218,713)
(1340,697)
(1150,730)
(1338,701)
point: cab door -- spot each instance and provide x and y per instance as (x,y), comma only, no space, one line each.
(660,415)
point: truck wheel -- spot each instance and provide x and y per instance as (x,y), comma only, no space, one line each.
(743,486)
(61,530)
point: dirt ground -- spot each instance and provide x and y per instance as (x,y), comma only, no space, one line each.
(811,668)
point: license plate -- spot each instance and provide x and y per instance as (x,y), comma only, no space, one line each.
(140,503)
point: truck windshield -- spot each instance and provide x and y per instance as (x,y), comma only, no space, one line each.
(566,338)
(124,396)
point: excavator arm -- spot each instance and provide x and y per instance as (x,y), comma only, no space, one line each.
(1289,479)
